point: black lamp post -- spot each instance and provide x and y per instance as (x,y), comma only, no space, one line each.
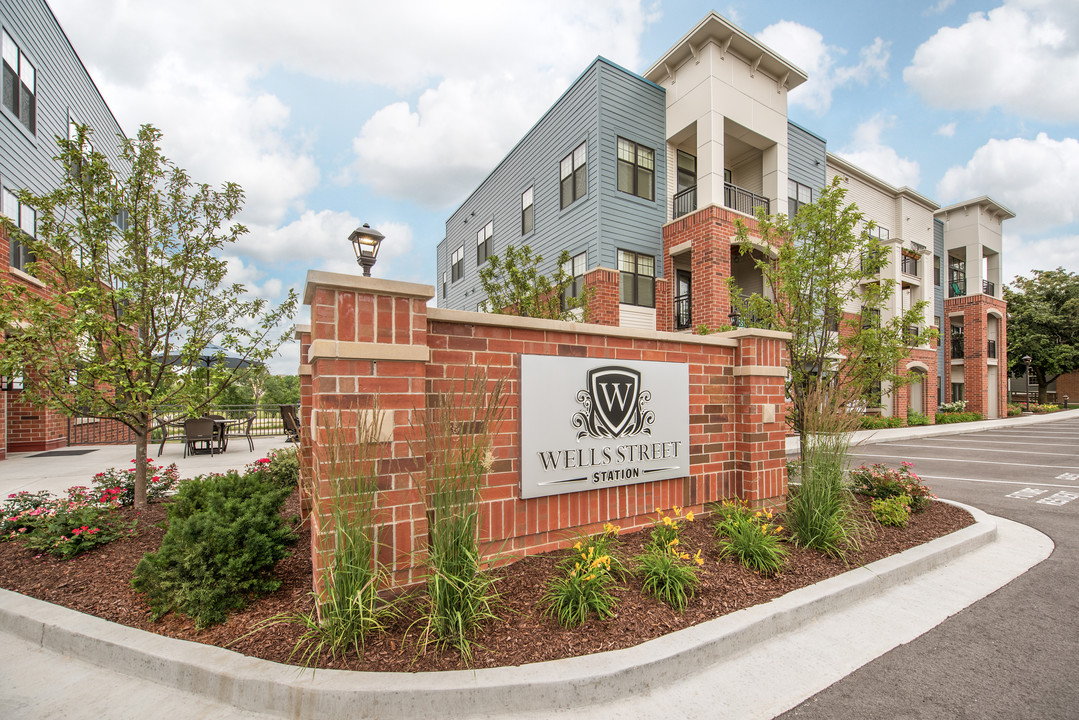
(735,317)
(1027,359)
(365,241)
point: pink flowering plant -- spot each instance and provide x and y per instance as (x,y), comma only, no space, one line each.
(67,525)
(160,482)
(882,482)
(281,467)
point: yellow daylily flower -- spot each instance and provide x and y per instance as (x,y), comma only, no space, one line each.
(689,516)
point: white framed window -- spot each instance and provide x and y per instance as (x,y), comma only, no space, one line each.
(484,243)
(19,84)
(636,169)
(457,264)
(574,268)
(798,195)
(574,175)
(25,217)
(528,212)
(637,278)
(445,282)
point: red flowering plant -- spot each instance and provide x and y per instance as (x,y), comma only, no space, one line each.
(65,526)
(882,482)
(160,482)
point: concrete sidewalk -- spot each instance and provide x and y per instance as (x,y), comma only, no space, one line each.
(754,663)
(868,437)
(56,473)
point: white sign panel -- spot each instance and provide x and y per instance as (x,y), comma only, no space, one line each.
(589,423)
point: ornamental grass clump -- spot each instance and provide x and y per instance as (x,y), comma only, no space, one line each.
(750,537)
(454,436)
(882,482)
(669,573)
(820,511)
(584,589)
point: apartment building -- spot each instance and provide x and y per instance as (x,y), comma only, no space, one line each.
(46,91)
(641,178)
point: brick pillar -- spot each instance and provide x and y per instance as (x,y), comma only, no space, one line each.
(303,336)
(604,306)
(760,371)
(975,309)
(709,233)
(369,340)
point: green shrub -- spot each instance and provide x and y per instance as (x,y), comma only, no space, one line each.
(670,575)
(160,482)
(64,526)
(1014,409)
(753,540)
(958,417)
(882,482)
(893,511)
(880,423)
(916,419)
(281,467)
(1047,408)
(224,537)
(583,589)
(16,514)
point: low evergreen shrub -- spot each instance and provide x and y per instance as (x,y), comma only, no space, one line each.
(958,417)
(880,423)
(893,511)
(916,419)
(225,535)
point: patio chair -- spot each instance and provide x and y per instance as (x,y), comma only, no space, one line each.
(248,423)
(292,425)
(199,431)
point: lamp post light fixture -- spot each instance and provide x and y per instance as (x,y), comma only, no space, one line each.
(735,317)
(365,241)
(1026,360)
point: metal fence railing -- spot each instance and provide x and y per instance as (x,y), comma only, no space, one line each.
(93,431)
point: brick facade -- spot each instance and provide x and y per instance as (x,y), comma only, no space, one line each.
(975,311)
(374,338)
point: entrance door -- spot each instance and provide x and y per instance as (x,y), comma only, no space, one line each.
(993,411)
(917,393)
(683,311)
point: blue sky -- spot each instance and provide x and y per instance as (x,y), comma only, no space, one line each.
(391,113)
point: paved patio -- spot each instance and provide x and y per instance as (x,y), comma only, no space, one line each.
(56,473)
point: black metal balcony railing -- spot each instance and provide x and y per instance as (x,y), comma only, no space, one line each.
(989,288)
(957,346)
(743,200)
(685,202)
(909,265)
(910,335)
(991,348)
(957,288)
(683,313)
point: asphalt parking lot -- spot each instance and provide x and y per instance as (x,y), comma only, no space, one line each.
(1016,652)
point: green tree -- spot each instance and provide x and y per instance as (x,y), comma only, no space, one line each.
(1043,322)
(826,260)
(281,390)
(131,257)
(514,285)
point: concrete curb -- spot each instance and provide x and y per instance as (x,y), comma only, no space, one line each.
(267,687)
(869,437)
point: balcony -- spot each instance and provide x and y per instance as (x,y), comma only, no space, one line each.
(957,287)
(685,202)
(683,313)
(989,288)
(909,265)
(957,347)
(991,349)
(743,200)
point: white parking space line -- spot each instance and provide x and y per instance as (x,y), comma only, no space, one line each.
(959,447)
(1061,498)
(1027,493)
(994,482)
(995,442)
(959,460)
(1055,436)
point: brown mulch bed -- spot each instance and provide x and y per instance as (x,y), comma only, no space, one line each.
(99,583)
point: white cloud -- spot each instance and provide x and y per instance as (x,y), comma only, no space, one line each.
(939,7)
(1022,57)
(805,47)
(867,151)
(947,130)
(1034,178)
(1021,256)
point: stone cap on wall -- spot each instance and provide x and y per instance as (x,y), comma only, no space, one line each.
(359,283)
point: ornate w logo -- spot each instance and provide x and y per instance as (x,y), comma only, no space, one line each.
(612,404)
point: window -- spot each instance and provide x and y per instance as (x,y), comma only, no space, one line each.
(957,392)
(445,281)
(687,171)
(484,242)
(936,270)
(574,268)
(870,317)
(636,169)
(797,196)
(881,232)
(457,264)
(19,92)
(25,217)
(637,274)
(574,173)
(528,212)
